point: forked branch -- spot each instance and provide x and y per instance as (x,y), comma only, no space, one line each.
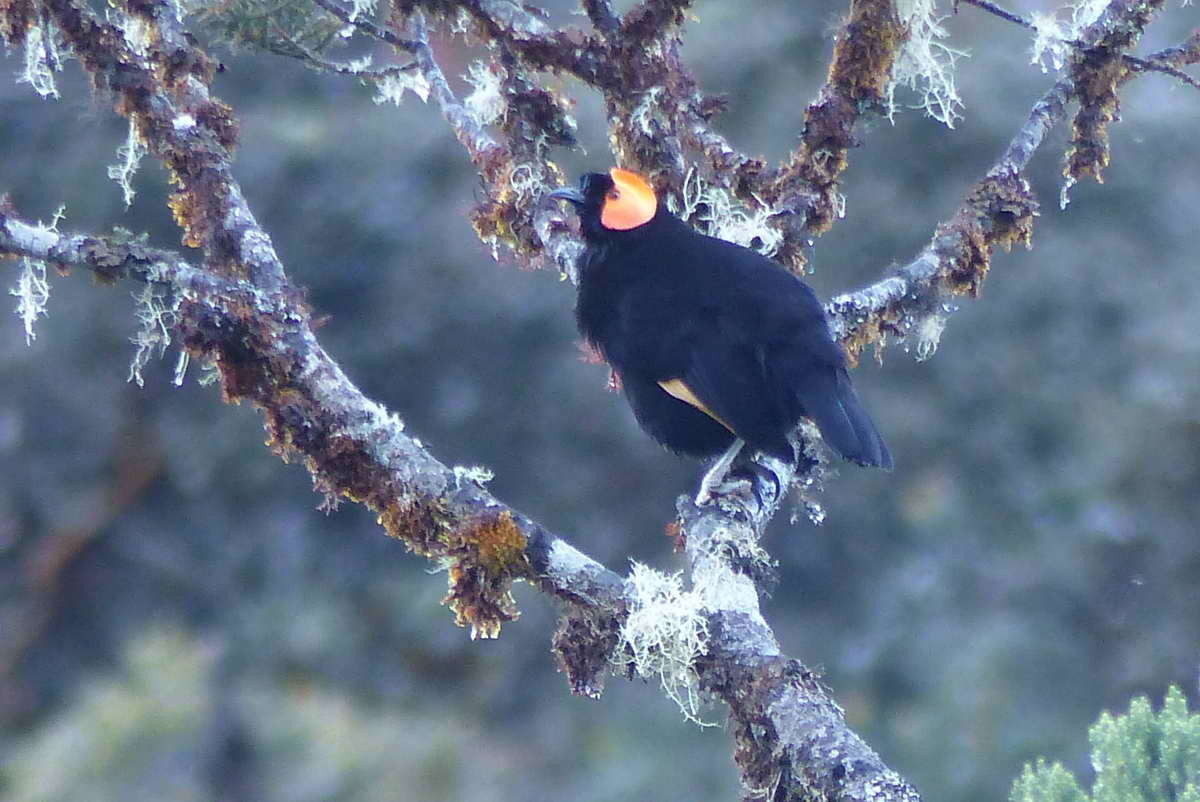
(240,313)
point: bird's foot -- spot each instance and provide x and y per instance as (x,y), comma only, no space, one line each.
(729,486)
(718,475)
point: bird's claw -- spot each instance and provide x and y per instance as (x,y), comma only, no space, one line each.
(725,486)
(718,476)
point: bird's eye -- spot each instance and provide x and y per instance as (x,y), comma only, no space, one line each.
(613,194)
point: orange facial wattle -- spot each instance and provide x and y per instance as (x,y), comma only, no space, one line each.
(630,203)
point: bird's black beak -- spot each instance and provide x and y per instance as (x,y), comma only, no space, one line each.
(572,194)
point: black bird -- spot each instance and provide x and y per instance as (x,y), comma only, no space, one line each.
(714,343)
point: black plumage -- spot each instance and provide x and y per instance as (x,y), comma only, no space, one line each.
(711,341)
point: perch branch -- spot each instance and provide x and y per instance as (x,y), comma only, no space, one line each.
(1152,64)
(299,389)
(241,314)
(805,191)
(786,726)
(661,123)
(998,211)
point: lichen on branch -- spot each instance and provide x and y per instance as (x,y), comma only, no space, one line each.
(703,634)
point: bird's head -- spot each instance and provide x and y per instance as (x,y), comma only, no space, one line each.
(619,201)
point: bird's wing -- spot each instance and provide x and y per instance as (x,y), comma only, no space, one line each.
(725,377)
(679,389)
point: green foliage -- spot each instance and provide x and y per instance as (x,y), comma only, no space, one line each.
(293,28)
(1046,783)
(1141,756)
(136,729)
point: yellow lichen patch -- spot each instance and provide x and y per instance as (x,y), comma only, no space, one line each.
(1010,207)
(478,601)
(486,553)
(418,523)
(864,54)
(1096,81)
(183,210)
(497,540)
(999,211)
(491,221)
(969,258)
(870,332)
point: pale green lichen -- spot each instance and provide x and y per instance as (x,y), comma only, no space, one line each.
(720,588)
(1083,14)
(525,183)
(32,293)
(476,474)
(664,634)
(156,311)
(181,366)
(926,64)
(725,217)
(1064,194)
(210,373)
(926,335)
(42,60)
(391,88)
(1053,35)
(1050,49)
(130,155)
(33,289)
(138,32)
(486,102)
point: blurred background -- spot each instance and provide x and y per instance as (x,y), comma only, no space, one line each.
(178,621)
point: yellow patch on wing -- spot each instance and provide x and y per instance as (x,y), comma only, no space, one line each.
(677,389)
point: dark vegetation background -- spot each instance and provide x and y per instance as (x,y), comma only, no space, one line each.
(178,621)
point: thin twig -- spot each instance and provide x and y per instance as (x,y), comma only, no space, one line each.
(467,129)
(956,259)
(805,192)
(787,728)
(322,64)
(1004,14)
(1150,64)
(368,27)
(782,717)
(1160,62)
(280,322)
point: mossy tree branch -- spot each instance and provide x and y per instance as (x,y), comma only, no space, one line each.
(240,312)
(789,732)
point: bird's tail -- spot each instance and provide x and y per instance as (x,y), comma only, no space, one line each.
(832,403)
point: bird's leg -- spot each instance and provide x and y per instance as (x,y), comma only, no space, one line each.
(716,475)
